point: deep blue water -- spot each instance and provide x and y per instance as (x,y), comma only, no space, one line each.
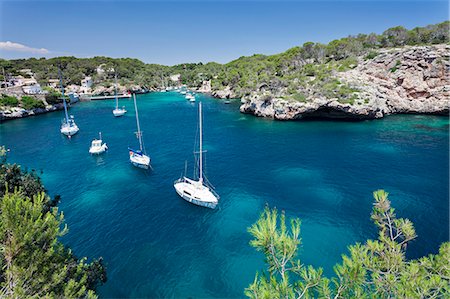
(157,245)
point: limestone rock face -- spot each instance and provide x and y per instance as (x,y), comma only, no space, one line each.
(206,87)
(320,107)
(226,93)
(402,80)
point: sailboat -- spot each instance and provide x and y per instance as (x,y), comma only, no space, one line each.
(68,126)
(190,97)
(197,192)
(97,146)
(118,111)
(138,157)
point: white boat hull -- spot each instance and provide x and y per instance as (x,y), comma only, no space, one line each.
(98,150)
(119,112)
(196,193)
(69,130)
(141,161)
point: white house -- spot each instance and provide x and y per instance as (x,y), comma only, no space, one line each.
(32,88)
(175,78)
(86,84)
(101,69)
(53,83)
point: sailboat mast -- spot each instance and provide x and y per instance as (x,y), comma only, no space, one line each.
(200,143)
(115,91)
(137,122)
(62,92)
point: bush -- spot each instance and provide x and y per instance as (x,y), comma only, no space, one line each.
(29,103)
(39,265)
(300,97)
(10,101)
(53,98)
(397,64)
(371,55)
(347,64)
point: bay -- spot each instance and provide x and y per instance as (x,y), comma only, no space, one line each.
(157,245)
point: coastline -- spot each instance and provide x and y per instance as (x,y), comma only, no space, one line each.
(407,80)
(17,113)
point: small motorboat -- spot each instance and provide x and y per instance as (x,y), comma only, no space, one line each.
(97,146)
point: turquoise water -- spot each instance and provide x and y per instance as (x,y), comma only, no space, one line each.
(157,245)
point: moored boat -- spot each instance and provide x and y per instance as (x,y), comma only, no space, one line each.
(197,192)
(117,111)
(68,125)
(97,146)
(139,158)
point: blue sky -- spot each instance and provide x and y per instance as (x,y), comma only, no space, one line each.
(173,32)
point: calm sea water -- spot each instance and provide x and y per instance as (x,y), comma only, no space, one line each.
(157,245)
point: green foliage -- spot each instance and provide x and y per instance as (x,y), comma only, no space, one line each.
(9,101)
(243,75)
(34,262)
(371,55)
(297,96)
(395,67)
(376,269)
(53,98)
(347,64)
(28,103)
(12,177)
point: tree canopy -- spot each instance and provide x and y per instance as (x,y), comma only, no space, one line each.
(376,269)
(34,263)
(242,75)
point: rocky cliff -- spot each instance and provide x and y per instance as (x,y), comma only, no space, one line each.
(400,80)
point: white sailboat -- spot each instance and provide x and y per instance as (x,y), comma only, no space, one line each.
(68,126)
(190,97)
(97,146)
(197,192)
(118,111)
(138,157)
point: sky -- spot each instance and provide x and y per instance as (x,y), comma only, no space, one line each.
(174,32)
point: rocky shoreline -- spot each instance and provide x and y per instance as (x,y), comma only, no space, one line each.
(17,112)
(412,80)
(408,80)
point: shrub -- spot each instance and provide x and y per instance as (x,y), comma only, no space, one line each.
(29,103)
(347,64)
(53,98)
(395,68)
(10,101)
(371,55)
(297,96)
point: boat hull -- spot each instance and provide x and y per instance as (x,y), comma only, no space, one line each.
(98,150)
(197,202)
(138,159)
(119,112)
(69,131)
(140,165)
(185,191)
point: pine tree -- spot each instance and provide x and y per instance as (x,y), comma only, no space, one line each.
(376,269)
(35,263)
